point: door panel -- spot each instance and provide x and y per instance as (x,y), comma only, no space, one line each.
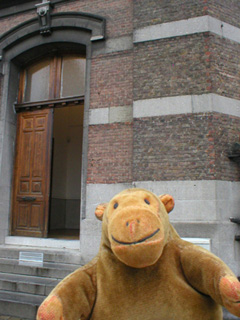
(30,200)
(23,212)
(25,148)
(36,215)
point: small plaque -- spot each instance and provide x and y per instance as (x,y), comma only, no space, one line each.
(31,258)
(202,242)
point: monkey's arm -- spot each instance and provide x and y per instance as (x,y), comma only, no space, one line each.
(73,298)
(211,276)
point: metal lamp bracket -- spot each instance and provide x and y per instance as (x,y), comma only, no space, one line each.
(44,17)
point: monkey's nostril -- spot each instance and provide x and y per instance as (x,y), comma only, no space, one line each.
(133,222)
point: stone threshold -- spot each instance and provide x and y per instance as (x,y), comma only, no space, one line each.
(42,242)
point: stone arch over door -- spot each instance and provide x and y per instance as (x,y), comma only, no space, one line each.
(70,32)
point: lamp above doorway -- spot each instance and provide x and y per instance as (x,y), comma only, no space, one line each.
(43,11)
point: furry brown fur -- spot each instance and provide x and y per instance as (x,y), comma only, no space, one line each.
(144,270)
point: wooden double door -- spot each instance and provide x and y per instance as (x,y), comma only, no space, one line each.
(31,185)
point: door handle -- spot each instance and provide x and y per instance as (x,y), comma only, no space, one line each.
(28,198)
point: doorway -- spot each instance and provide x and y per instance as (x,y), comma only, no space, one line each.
(47,181)
(65,201)
(47,174)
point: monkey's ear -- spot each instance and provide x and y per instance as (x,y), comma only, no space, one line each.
(100,210)
(168,202)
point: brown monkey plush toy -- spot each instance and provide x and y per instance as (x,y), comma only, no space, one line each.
(144,271)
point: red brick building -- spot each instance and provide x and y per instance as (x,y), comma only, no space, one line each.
(98,96)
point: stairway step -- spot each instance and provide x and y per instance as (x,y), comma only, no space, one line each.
(50,255)
(15,309)
(19,304)
(24,285)
(50,270)
(27,284)
(25,288)
(30,299)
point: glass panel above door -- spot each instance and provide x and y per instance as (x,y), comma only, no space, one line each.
(58,77)
(73,76)
(37,81)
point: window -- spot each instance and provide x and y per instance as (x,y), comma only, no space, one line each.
(53,78)
(37,82)
(72,77)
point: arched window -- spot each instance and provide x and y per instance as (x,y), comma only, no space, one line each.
(53,78)
(47,176)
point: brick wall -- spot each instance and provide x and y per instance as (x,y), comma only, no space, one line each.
(118,14)
(185,147)
(12,21)
(194,64)
(154,11)
(228,11)
(225,67)
(175,66)
(110,153)
(170,147)
(111,80)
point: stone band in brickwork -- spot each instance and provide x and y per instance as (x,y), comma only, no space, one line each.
(202,209)
(166,106)
(186,104)
(110,115)
(187,27)
(112,45)
(203,193)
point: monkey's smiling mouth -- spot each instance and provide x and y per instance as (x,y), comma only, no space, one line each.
(139,241)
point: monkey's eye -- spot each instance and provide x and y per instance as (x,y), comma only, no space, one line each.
(146,200)
(115,205)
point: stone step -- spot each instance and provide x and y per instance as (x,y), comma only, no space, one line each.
(19,304)
(27,284)
(48,269)
(50,255)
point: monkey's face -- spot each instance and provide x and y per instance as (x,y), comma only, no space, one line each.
(136,220)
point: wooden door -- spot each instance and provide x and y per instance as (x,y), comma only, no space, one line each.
(31,187)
